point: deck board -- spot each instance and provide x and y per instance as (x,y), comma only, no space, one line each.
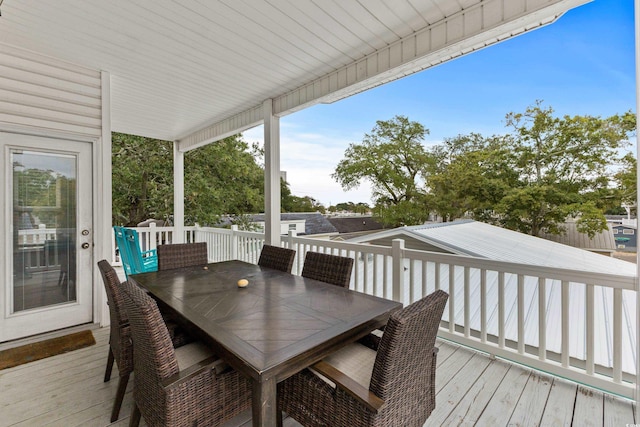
(471,406)
(499,409)
(559,409)
(617,412)
(450,395)
(589,408)
(528,411)
(472,389)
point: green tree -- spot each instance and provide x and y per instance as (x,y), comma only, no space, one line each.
(469,176)
(547,169)
(220,178)
(142,179)
(361,208)
(291,203)
(393,159)
(563,166)
(346,206)
(626,181)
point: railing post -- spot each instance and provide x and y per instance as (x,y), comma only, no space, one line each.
(153,236)
(564,301)
(290,238)
(397,254)
(234,242)
(290,243)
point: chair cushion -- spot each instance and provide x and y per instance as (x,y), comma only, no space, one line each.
(354,360)
(191,354)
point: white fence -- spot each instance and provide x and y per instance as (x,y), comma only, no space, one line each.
(574,324)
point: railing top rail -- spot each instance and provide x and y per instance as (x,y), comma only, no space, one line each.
(621,281)
(333,244)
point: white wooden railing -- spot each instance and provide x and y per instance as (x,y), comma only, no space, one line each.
(573,324)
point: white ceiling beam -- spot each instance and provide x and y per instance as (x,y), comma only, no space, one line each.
(474,28)
(217,131)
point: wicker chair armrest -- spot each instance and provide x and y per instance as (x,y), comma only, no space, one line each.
(350,386)
(211,363)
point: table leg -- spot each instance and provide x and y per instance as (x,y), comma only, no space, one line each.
(264,409)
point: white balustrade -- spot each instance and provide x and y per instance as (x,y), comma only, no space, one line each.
(550,319)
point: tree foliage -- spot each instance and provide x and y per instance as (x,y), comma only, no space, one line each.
(142,174)
(220,178)
(291,203)
(469,176)
(531,180)
(360,207)
(392,158)
(626,180)
(545,170)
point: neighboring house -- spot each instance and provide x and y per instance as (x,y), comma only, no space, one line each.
(305,223)
(618,219)
(625,236)
(602,242)
(354,226)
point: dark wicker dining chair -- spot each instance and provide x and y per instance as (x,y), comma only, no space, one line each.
(277,258)
(120,348)
(182,387)
(393,387)
(179,255)
(332,269)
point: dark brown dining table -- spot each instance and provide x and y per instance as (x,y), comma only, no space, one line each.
(276,326)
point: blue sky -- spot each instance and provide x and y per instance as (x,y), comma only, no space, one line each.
(583,64)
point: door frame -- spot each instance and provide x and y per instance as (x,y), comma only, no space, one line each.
(101,203)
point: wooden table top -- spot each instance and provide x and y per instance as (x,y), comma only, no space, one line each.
(276,326)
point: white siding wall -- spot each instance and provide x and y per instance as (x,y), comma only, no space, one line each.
(41,92)
(51,97)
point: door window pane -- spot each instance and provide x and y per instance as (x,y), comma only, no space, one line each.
(44,229)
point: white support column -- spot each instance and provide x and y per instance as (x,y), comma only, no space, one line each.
(103,203)
(637,34)
(271,175)
(178,194)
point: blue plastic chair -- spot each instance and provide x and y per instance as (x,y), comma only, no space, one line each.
(123,250)
(134,260)
(142,261)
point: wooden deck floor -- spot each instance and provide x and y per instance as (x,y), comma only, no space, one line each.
(473,389)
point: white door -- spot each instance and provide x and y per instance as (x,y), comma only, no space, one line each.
(46,233)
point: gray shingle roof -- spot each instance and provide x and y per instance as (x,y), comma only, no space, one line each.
(315,223)
(354,224)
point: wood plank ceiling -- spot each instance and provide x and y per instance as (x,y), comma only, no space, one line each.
(198,70)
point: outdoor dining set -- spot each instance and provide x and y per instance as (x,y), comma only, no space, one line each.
(208,341)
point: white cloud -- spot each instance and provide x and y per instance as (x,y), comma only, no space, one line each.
(309,160)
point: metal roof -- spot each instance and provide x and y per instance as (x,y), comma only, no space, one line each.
(478,239)
(196,71)
(482,240)
(601,241)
